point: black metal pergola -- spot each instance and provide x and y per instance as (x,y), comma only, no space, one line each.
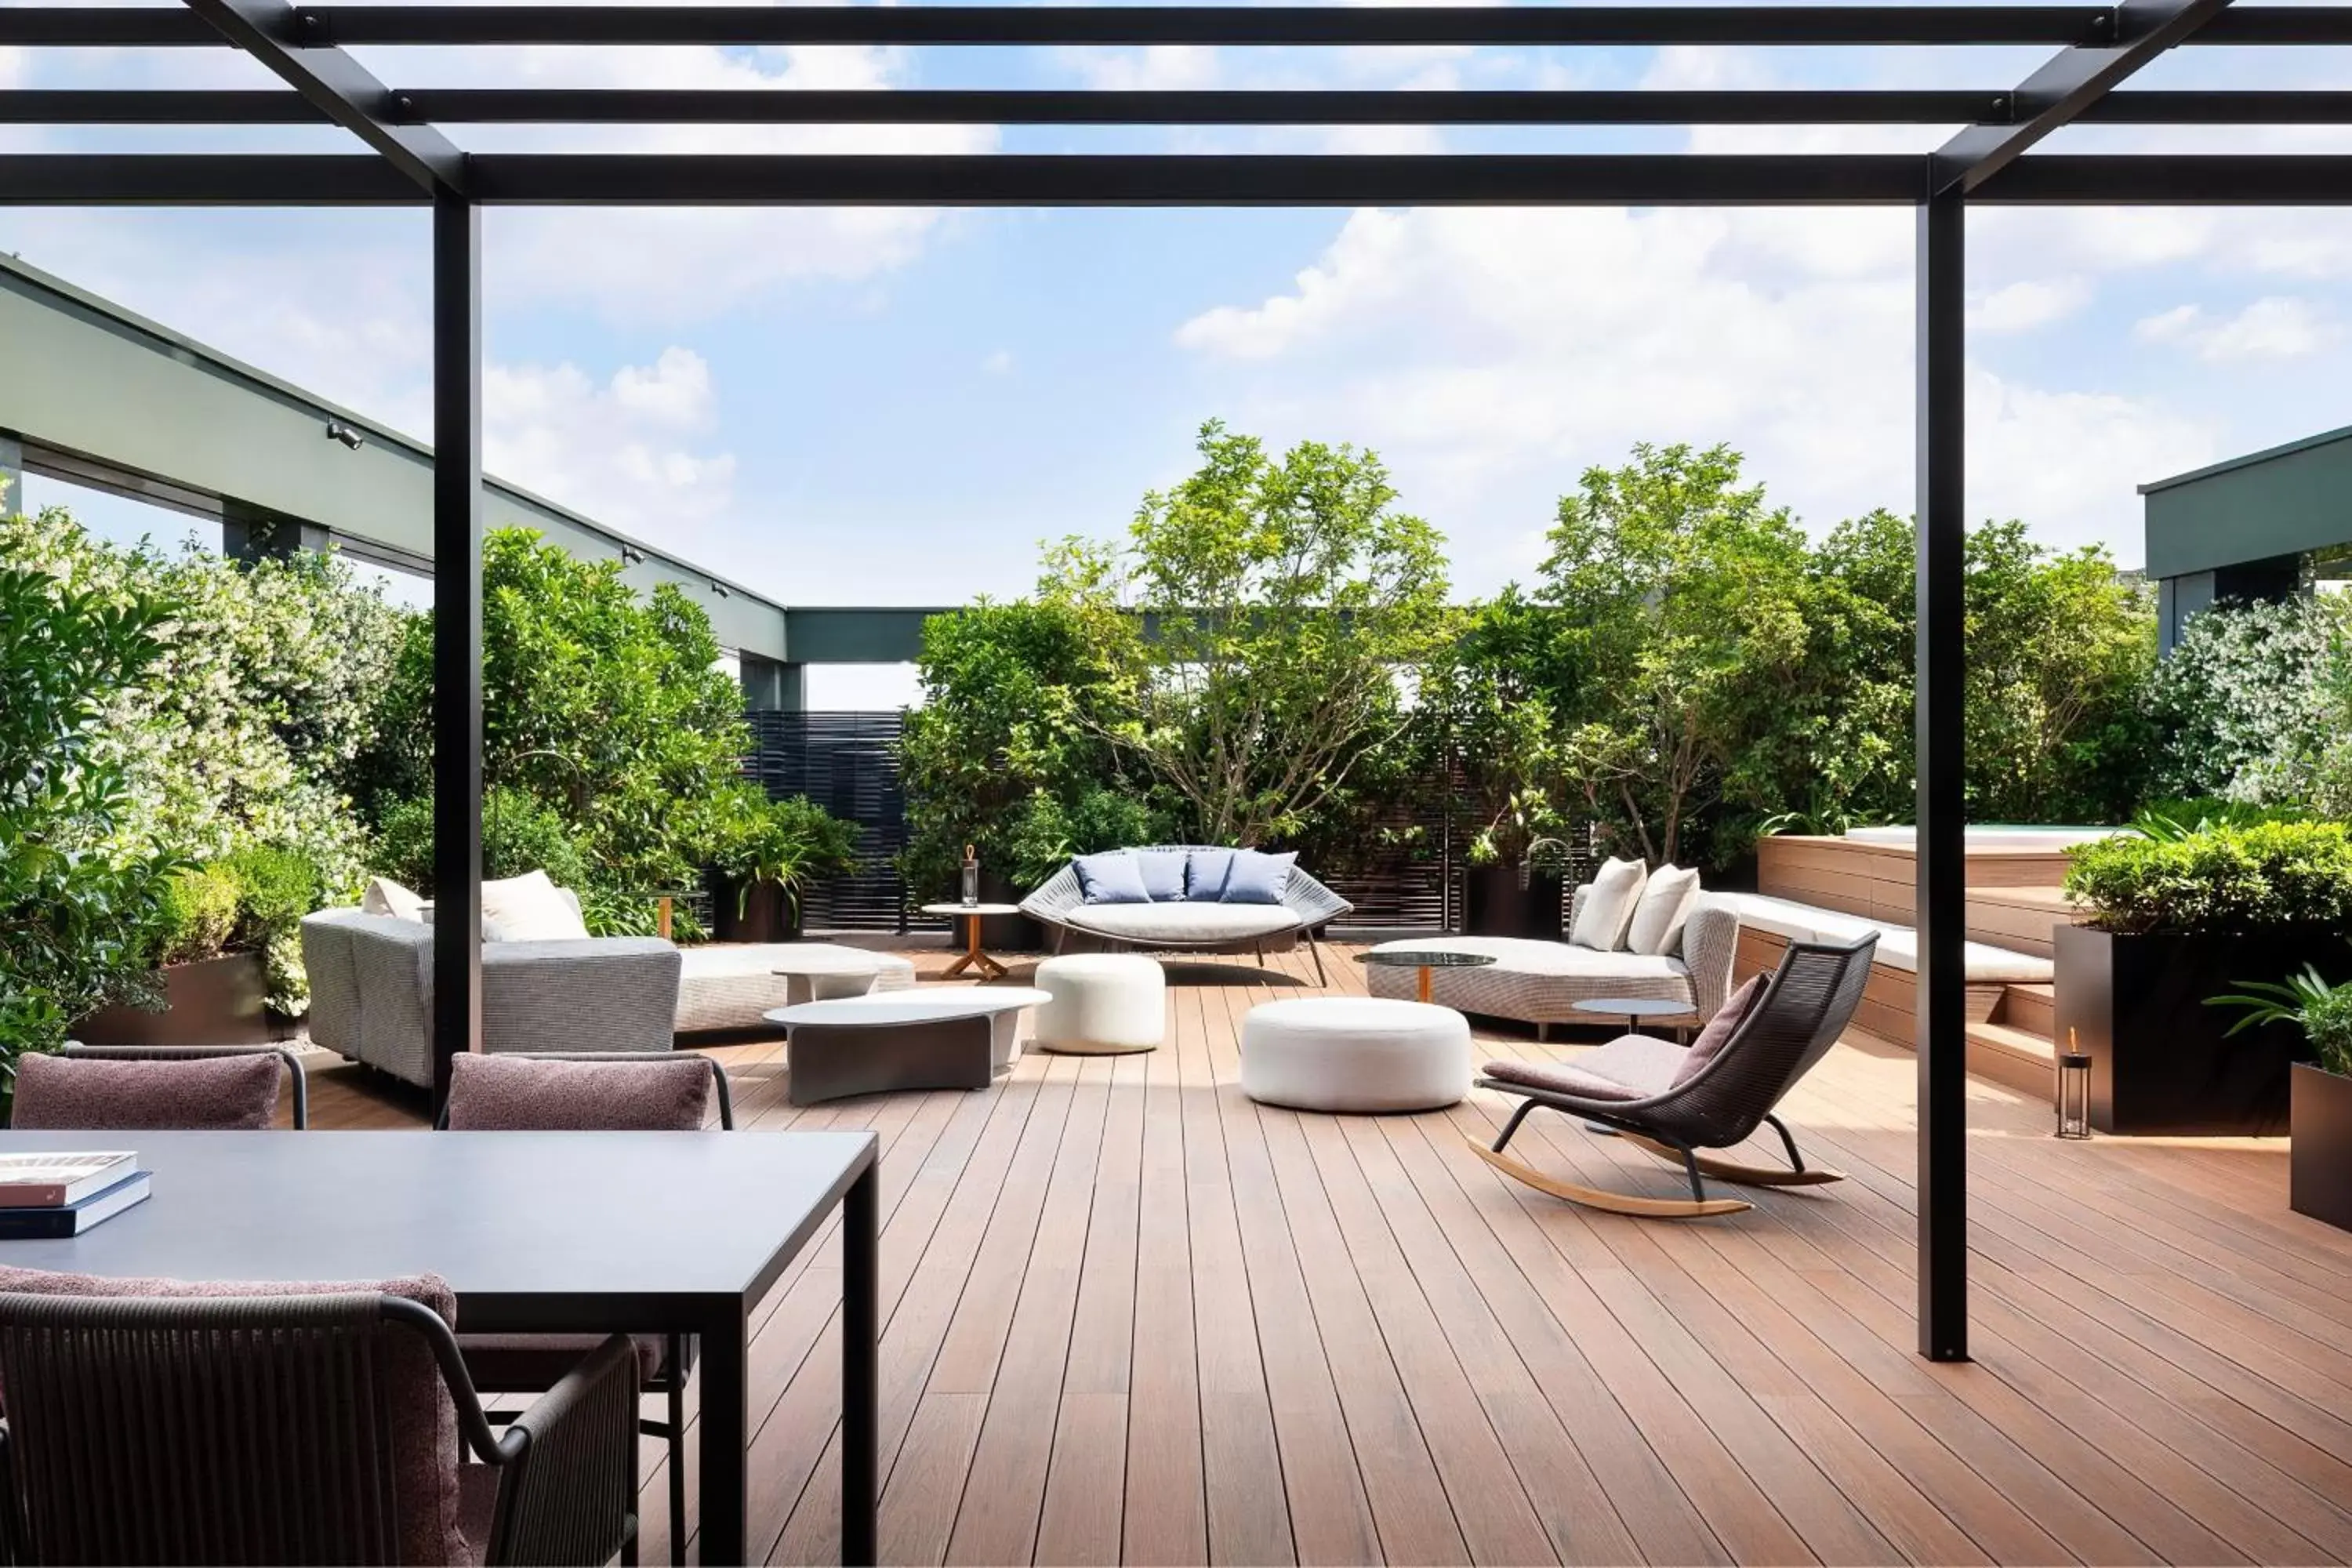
(410,161)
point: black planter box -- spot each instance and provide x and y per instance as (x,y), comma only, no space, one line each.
(2319,1167)
(2158,1062)
(764,914)
(1494,904)
(215,1002)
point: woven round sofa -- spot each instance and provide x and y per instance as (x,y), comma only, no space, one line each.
(1182,925)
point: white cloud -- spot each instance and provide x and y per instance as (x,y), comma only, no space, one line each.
(1156,68)
(998,363)
(622,450)
(2027,303)
(1490,355)
(2275,327)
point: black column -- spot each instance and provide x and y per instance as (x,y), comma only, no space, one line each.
(456,633)
(1942,802)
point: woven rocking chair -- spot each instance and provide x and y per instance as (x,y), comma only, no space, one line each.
(1651,1094)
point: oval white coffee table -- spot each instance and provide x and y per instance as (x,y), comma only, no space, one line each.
(962,1037)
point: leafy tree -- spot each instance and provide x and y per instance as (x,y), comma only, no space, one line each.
(1011,713)
(80,911)
(244,730)
(610,709)
(1684,592)
(2248,700)
(1273,603)
(1497,692)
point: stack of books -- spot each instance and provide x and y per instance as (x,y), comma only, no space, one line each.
(44,1196)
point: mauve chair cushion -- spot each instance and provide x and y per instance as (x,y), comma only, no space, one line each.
(210,1094)
(1719,1028)
(516,1094)
(1631,1066)
(425,1457)
(1559,1078)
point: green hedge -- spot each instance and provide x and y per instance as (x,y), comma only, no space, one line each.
(2224,879)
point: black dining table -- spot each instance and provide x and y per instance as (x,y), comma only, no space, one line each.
(535,1232)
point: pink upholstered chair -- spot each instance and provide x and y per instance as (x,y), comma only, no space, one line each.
(589,1091)
(130,1087)
(159,1421)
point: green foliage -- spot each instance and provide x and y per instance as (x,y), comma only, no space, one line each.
(1496,691)
(246,728)
(80,909)
(276,888)
(1012,709)
(520,835)
(2226,879)
(1272,602)
(2321,1010)
(2175,819)
(1045,833)
(2251,698)
(198,915)
(609,710)
(787,843)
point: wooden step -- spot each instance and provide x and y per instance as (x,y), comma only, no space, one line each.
(2032,1008)
(2025,1061)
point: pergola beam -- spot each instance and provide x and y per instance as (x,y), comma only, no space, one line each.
(1029,106)
(287,42)
(2067,85)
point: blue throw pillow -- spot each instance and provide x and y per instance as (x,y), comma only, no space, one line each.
(1163,874)
(1110,877)
(1204,875)
(1257,878)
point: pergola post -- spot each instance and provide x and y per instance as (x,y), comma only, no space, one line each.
(1941,804)
(457,632)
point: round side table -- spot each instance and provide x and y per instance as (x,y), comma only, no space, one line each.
(1425,960)
(974,958)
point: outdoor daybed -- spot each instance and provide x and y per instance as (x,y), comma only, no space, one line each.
(1195,918)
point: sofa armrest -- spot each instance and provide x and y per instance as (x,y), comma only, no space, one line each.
(1052,904)
(1710,944)
(603,994)
(1582,892)
(1314,904)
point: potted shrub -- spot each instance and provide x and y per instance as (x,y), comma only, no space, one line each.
(2172,920)
(228,957)
(774,850)
(1511,885)
(2319,1117)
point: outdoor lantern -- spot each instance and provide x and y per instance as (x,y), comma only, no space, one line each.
(2074,1095)
(971,874)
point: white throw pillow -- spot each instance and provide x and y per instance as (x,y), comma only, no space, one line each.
(386,896)
(529,909)
(1667,900)
(1608,907)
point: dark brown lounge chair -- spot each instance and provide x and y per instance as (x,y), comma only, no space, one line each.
(1638,1088)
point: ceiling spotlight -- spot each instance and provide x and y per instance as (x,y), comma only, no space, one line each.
(632,557)
(720,589)
(339,431)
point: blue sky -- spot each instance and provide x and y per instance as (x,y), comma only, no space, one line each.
(868,406)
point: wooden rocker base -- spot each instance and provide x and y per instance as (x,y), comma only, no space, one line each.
(1734,1172)
(1615,1203)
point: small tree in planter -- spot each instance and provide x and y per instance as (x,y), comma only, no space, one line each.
(2319,1169)
(227,956)
(2172,922)
(774,849)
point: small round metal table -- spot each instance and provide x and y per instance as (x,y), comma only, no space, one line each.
(1633,1009)
(974,958)
(1425,960)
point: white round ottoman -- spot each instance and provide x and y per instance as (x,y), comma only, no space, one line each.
(1355,1054)
(1104,1004)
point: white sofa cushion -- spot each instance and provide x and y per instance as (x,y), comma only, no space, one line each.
(1665,904)
(386,896)
(530,908)
(1607,908)
(1185,923)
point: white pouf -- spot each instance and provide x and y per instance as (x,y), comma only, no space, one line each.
(1355,1054)
(1104,1004)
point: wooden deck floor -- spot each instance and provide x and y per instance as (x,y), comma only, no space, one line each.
(1133,1316)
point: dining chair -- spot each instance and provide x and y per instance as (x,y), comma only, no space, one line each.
(154,1422)
(589,1091)
(204,1088)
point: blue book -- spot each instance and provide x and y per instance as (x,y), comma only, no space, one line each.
(72,1219)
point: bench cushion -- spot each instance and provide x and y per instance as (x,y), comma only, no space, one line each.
(1187,925)
(1898,946)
